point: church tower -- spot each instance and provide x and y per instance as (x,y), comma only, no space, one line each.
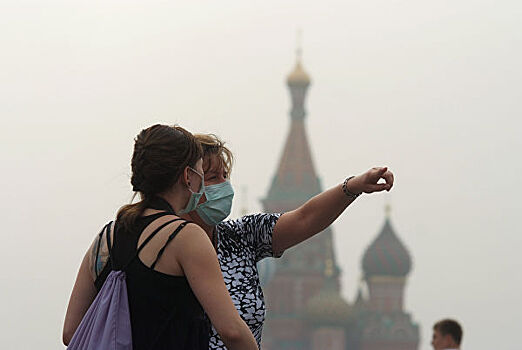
(300,273)
(295,180)
(305,309)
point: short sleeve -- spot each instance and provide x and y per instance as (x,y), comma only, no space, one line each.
(260,228)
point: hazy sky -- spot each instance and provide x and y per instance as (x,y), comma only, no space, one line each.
(430,88)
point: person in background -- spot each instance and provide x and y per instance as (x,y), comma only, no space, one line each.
(241,243)
(447,335)
(173,275)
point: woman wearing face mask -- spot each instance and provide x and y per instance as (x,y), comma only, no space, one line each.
(241,243)
(173,278)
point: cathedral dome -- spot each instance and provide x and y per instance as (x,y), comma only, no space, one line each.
(328,307)
(298,76)
(386,256)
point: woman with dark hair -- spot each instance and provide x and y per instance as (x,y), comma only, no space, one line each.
(241,243)
(173,278)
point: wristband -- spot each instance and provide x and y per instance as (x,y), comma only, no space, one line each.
(349,194)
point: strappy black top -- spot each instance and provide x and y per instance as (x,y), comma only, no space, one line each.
(164,311)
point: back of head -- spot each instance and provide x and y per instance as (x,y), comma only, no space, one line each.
(449,327)
(161,153)
(214,149)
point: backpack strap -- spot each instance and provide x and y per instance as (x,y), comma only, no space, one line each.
(171,237)
(108,237)
(109,243)
(98,246)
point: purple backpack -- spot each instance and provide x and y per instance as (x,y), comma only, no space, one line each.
(106,325)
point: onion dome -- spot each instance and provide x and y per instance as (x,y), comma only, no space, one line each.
(328,307)
(386,256)
(298,75)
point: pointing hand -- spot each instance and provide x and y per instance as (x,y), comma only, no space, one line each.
(368,182)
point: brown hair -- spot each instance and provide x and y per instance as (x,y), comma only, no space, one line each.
(161,153)
(450,327)
(214,146)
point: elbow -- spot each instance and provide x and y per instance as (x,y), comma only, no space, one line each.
(66,339)
(230,336)
(232,333)
(67,335)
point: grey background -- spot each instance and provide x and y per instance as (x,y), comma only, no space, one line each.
(429,88)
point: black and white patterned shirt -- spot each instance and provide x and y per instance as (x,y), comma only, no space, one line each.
(241,243)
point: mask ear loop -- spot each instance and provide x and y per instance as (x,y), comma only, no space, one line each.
(186,178)
(202,185)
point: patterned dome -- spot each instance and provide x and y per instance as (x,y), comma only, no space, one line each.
(328,307)
(386,256)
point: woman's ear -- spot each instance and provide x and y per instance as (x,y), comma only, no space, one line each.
(184,178)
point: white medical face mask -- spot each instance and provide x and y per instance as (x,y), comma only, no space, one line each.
(218,204)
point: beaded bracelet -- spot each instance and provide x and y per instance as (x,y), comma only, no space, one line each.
(349,194)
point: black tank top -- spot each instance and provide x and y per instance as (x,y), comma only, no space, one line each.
(164,311)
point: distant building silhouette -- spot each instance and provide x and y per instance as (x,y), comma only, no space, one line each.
(305,309)
(381,322)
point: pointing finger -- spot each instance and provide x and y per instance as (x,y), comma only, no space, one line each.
(377,188)
(382,170)
(388,177)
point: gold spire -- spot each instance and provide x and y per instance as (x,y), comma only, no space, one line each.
(387,210)
(328,261)
(299,76)
(328,270)
(299,46)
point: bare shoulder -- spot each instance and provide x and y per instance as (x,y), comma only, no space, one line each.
(99,252)
(192,243)
(191,234)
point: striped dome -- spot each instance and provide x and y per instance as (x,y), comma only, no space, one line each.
(386,256)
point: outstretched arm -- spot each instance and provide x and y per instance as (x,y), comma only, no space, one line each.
(321,211)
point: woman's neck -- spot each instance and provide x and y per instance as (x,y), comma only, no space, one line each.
(177,198)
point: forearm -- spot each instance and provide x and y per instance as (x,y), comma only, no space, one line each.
(81,298)
(242,340)
(323,209)
(311,218)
